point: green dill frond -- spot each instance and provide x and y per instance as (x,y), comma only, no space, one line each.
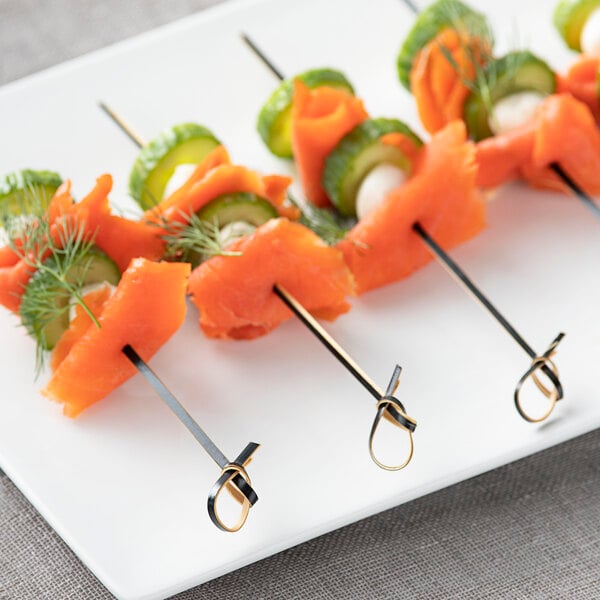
(42,304)
(470,25)
(24,207)
(324,222)
(27,192)
(59,257)
(485,74)
(192,240)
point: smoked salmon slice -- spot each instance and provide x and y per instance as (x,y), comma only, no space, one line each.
(439,75)
(146,309)
(234,294)
(216,176)
(501,158)
(563,131)
(121,239)
(80,323)
(321,117)
(581,81)
(441,195)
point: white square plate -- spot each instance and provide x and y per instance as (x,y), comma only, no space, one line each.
(125,485)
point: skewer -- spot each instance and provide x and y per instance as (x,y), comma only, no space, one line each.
(66,243)
(585,199)
(387,405)
(579,193)
(540,362)
(233,473)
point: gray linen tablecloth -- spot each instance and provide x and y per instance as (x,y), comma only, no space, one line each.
(528,530)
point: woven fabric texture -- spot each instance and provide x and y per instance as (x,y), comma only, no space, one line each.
(35,34)
(527,530)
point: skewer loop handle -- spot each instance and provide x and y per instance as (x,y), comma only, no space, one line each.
(236,481)
(393,410)
(545,364)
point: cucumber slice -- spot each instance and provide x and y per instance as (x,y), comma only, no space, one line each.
(356,154)
(238,206)
(45,305)
(513,73)
(27,191)
(436,17)
(570,17)
(188,143)
(233,215)
(275,118)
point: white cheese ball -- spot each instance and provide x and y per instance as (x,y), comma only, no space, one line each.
(515,110)
(590,35)
(376,186)
(181,174)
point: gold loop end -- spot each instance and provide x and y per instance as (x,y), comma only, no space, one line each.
(382,409)
(228,473)
(553,394)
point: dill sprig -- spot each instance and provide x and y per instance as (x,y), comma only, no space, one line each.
(486,71)
(329,226)
(22,191)
(192,239)
(471,26)
(59,255)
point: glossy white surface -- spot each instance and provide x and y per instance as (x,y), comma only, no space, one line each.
(125,485)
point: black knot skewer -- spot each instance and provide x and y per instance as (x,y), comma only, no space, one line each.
(538,362)
(392,409)
(233,477)
(387,405)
